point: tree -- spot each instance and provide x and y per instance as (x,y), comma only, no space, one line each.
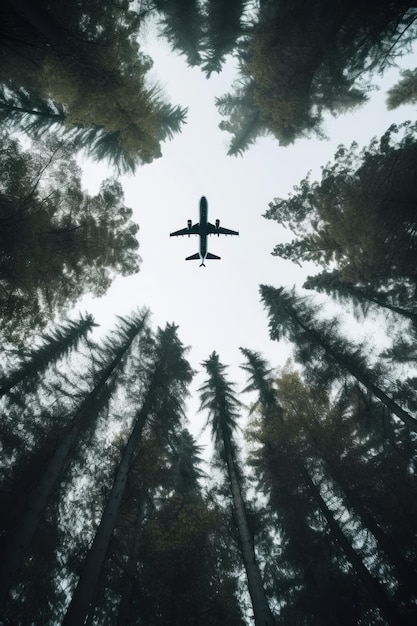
(363,297)
(285,466)
(405,91)
(360,217)
(218,398)
(182,24)
(184,572)
(57,242)
(82,422)
(292,317)
(204,32)
(365,476)
(299,61)
(85,62)
(164,397)
(223,29)
(55,344)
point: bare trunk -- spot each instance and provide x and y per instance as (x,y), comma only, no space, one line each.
(17,546)
(261,610)
(127,587)
(80,602)
(374,588)
(360,376)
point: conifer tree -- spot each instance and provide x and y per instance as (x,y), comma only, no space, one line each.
(55,344)
(362,296)
(218,398)
(283,446)
(83,60)
(292,317)
(81,422)
(163,399)
(56,241)
(184,569)
(299,61)
(359,218)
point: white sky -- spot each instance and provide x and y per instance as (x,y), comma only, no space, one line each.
(218,307)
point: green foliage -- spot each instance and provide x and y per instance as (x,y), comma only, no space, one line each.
(182,24)
(305,434)
(300,61)
(80,68)
(56,241)
(359,218)
(405,91)
(55,345)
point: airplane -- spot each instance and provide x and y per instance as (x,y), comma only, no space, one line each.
(203,228)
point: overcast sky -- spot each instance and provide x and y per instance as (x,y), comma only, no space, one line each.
(217,307)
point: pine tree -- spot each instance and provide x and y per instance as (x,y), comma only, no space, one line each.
(184,571)
(82,420)
(163,400)
(360,218)
(84,62)
(298,62)
(218,398)
(290,316)
(283,458)
(363,297)
(55,344)
(56,242)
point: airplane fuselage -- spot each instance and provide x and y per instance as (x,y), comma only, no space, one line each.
(203,228)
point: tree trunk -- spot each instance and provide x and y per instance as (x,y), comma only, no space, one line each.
(80,602)
(127,586)
(406,574)
(262,612)
(18,545)
(374,588)
(360,376)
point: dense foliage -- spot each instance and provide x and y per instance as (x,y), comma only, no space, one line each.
(304,513)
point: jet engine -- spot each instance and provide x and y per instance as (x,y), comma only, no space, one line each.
(217,226)
(189,224)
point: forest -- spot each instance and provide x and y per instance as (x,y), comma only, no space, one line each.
(112,513)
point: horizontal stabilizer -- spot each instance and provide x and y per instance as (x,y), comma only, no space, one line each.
(212,256)
(193,257)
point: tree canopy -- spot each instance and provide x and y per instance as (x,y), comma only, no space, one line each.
(83,63)
(299,61)
(56,241)
(360,217)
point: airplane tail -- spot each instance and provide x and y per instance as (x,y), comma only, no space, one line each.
(196,256)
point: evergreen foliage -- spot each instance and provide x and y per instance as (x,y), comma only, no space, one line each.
(218,398)
(79,70)
(56,241)
(300,60)
(360,217)
(309,514)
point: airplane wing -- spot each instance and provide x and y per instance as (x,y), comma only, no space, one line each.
(186,231)
(220,230)
(226,231)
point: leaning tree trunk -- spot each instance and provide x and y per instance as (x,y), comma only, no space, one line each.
(17,546)
(80,602)
(406,574)
(262,612)
(129,574)
(374,588)
(358,374)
